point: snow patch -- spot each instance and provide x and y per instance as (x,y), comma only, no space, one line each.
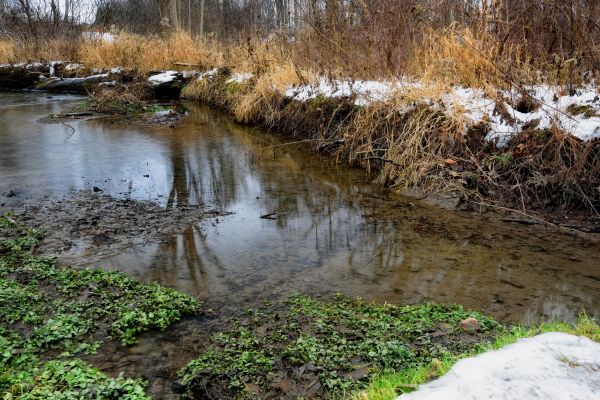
(99,36)
(163,77)
(74,66)
(552,107)
(365,92)
(240,77)
(208,74)
(551,366)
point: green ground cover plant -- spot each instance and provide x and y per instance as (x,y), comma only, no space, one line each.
(306,347)
(50,313)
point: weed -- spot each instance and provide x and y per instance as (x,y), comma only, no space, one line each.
(49,309)
(338,343)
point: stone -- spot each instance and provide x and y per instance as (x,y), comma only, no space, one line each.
(470,325)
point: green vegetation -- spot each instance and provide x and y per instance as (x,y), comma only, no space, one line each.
(583,109)
(48,313)
(307,347)
(389,386)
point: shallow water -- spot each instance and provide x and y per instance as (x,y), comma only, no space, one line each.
(332,230)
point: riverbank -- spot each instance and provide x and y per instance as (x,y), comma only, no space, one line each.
(470,152)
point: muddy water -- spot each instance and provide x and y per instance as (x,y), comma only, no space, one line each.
(326,228)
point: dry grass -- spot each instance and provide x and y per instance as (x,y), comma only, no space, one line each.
(7,51)
(150,53)
(460,57)
(23,51)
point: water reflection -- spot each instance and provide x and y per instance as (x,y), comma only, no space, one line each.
(329,230)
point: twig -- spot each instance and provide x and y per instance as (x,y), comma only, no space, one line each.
(508,77)
(69,126)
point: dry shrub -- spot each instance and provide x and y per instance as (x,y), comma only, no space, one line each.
(15,51)
(120,99)
(404,147)
(545,169)
(262,102)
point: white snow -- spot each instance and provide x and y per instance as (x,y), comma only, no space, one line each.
(551,366)
(240,77)
(163,77)
(189,73)
(475,106)
(99,36)
(74,66)
(366,92)
(208,74)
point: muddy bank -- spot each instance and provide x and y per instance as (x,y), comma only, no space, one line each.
(103,224)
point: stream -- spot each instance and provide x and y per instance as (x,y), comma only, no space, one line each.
(295,222)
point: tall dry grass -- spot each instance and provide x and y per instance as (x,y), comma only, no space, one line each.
(150,53)
(16,51)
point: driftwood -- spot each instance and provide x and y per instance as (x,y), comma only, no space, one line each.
(78,85)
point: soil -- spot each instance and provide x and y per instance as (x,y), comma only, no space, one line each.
(90,219)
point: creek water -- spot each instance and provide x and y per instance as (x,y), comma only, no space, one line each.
(328,230)
(324,227)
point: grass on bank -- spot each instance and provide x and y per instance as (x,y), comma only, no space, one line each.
(51,314)
(390,386)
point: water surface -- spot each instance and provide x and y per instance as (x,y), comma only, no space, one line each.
(328,229)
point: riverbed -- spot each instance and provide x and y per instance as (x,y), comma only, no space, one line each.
(265,218)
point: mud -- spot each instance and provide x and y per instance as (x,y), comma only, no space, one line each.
(102,225)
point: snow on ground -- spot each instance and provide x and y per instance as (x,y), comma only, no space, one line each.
(365,91)
(74,66)
(208,74)
(553,107)
(240,77)
(163,77)
(551,366)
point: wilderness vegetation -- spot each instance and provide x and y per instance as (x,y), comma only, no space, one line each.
(502,48)
(339,347)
